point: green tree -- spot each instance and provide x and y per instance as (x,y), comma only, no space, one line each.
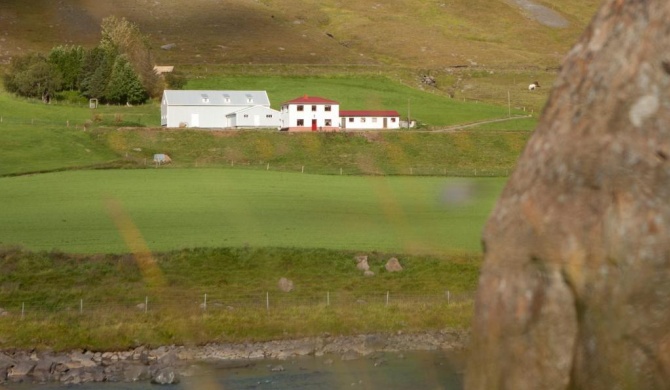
(68,60)
(33,76)
(125,37)
(175,80)
(124,86)
(96,70)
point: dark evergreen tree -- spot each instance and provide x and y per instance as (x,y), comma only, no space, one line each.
(124,85)
(96,70)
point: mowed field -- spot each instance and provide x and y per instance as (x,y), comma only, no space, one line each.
(119,211)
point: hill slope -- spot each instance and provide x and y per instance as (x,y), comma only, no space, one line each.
(425,34)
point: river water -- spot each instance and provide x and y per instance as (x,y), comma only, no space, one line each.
(433,370)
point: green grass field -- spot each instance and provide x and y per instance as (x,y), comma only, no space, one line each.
(186,208)
(363,93)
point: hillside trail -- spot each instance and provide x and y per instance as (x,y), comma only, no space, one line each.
(478,123)
(542,14)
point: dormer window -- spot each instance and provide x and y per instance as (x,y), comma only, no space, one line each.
(250,99)
(205,98)
(226,98)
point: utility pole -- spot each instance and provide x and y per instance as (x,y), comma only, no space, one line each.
(409,119)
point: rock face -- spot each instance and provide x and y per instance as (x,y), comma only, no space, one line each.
(575,288)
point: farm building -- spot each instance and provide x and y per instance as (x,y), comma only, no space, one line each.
(310,113)
(369,120)
(217,109)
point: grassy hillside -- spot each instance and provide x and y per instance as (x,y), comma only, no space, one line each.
(91,302)
(416,33)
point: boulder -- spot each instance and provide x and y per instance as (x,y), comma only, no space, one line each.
(575,286)
(20,370)
(165,376)
(362,263)
(393,265)
(285,285)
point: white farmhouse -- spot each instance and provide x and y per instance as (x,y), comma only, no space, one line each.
(218,109)
(310,113)
(369,120)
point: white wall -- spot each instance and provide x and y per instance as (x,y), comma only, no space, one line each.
(370,123)
(258,116)
(290,115)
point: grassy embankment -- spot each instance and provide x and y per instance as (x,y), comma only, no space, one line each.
(91,302)
(250,213)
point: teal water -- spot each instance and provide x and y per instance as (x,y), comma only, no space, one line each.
(435,370)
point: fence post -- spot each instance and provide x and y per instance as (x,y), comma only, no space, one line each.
(268,167)
(81,306)
(340,171)
(303,169)
(387,298)
(146,305)
(448,297)
(267,300)
(23,309)
(205,304)
(328,298)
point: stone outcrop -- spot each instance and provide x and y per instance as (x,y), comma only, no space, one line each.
(167,364)
(285,285)
(362,263)
(393,265)
(575,287)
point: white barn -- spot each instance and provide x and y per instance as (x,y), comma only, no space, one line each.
(310,113)
(369,120)
(217,109)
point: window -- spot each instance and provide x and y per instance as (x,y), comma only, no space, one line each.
(205,98)
(351,120)
(268,116)
(246,115)
(393,120)
(313,108)
(301,108)
(374,120)
(226,98)
(327,108)
(362,120)
(329,122)
(301,122)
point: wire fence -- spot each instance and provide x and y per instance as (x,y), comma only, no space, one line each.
(212,303)
(344,170)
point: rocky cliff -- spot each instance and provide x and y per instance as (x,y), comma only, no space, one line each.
(575,289)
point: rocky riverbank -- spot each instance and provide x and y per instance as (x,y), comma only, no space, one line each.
(165,365)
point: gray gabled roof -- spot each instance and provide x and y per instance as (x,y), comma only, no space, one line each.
(215,98)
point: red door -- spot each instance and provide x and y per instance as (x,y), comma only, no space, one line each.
(313,124)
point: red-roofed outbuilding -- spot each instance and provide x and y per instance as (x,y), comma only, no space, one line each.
(369,119)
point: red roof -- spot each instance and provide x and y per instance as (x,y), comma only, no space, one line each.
(369,113)
(311,100)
